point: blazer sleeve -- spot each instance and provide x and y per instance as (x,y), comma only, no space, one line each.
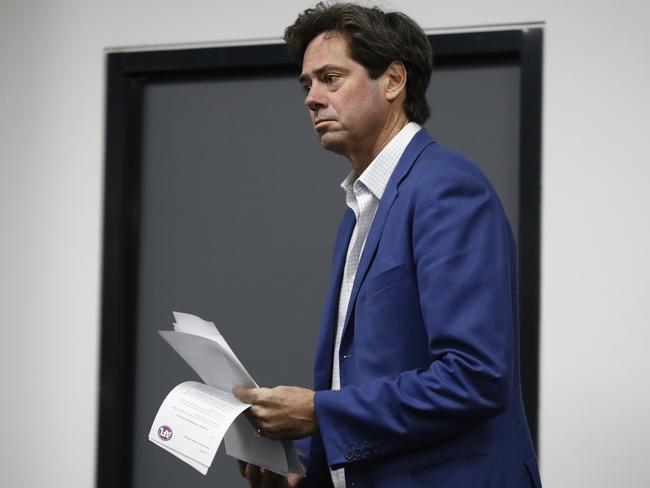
(463,255)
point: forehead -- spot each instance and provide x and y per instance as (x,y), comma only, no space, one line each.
(328,47)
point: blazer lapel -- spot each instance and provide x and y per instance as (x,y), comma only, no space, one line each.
(323,360)
(420,140)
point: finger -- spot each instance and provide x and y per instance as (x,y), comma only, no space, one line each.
(253,475)
(246,395)
(269,479)
(294,480)
(242,467)
(256,412)
(257,421)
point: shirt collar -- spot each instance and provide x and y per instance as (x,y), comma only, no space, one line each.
(376,176)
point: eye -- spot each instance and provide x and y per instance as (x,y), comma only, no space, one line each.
(330,78)
(306,87)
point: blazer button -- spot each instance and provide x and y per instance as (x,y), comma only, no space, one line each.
(349,455)
(367,451)
(375,449)
(357,453)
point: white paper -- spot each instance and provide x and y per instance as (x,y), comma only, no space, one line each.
(191,324)
(192,421)
(214,365)
(203,415)
(196,465)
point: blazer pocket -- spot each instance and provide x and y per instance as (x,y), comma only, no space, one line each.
(448,461)
(386,279)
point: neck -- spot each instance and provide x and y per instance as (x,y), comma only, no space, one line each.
(361,159)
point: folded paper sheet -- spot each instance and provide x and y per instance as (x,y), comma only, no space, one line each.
(194,417)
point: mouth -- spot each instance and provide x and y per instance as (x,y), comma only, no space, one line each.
(319,123)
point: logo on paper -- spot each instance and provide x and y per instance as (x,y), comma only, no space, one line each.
(165,432)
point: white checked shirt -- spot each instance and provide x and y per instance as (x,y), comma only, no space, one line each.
(362,195)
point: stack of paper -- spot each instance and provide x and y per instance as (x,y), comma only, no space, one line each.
(195,417)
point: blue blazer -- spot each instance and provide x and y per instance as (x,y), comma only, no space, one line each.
(429,361)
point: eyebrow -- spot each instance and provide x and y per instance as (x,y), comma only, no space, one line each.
(305,77)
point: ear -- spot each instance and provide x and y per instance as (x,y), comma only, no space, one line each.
(395,80)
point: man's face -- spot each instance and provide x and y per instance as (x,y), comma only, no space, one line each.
(347,108)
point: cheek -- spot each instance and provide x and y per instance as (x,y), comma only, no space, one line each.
(368,112)
(357,109)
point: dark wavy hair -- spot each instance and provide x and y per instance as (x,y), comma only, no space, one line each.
(375,39)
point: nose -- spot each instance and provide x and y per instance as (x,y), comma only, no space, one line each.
(315,99)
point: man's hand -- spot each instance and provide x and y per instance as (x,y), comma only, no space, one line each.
(281,413)
(263,478)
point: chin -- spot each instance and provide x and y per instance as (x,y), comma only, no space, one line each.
(330,142)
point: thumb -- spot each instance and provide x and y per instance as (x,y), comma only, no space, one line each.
(246,395)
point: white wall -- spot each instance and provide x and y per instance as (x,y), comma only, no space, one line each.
(595,270)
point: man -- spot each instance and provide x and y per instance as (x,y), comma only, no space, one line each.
(416,373)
